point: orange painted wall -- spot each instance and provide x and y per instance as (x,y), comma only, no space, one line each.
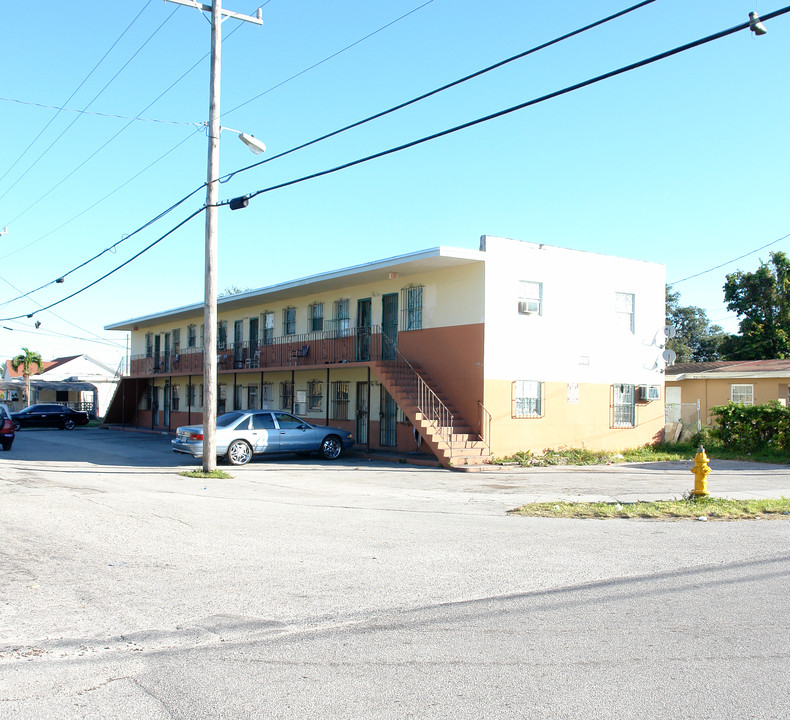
(584,424)
(453,358)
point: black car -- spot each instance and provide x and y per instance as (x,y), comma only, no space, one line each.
(44,415)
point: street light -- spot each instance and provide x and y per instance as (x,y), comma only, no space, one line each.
(212,197)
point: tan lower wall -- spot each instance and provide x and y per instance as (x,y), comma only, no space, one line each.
(583,424)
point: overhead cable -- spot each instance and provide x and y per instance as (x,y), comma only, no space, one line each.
(521,106)
(70,125)
(464,79)
(84,80)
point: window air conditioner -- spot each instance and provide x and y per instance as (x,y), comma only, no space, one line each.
(647,393)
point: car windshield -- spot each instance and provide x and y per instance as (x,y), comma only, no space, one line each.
(228,419)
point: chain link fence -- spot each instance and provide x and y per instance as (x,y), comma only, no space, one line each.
(681,421)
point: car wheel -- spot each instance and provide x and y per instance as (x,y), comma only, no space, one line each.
(239,453)
(331,447)
(68,424)
(17,426)
(7,444)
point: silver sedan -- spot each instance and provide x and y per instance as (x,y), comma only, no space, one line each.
(242,434)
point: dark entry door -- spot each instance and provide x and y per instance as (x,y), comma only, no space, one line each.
(363,329)
(157,351)
(389,325)
(389,425)
(362,414)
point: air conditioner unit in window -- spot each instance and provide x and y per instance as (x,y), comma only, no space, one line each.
(527,307)
(648,393)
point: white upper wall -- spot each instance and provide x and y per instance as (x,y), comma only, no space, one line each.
(576,337)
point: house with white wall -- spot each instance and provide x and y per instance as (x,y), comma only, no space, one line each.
(79,381)
(458,353)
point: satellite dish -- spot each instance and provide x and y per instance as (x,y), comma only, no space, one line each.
(669,331)
(669,357)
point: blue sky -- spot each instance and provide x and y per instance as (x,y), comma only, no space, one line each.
(683,162)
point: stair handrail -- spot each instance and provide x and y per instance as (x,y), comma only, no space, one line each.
(426,400)
(485,425)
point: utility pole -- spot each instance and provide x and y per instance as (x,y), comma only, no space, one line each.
(212,229)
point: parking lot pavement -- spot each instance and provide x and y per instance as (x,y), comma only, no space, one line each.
(306,588)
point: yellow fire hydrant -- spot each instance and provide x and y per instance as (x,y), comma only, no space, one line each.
(701,472)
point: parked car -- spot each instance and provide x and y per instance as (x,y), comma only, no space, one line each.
(7,428)
(49,415)
(242,434)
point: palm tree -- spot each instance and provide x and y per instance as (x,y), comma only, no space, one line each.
(26,359)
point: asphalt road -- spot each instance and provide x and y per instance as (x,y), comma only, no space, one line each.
(355,589)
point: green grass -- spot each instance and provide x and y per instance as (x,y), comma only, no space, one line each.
(214,474)
(661,452)
(686,508)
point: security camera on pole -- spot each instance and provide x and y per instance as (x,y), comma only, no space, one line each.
(212,196)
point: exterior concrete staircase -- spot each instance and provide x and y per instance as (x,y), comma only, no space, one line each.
(448,436)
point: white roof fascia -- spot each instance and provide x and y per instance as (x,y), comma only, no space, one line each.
(436,253)
(758,375)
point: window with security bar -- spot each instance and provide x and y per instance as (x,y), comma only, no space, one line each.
(743,394)
(287,396)
(176,341)
(527,399)
(191,335)
(191,395)
(315,395)
(342,317)
(530,298)
(149,398)
(411,300)
(149,345)
(623,406)
(268,328)
(222,334)
(174,398)
(316,313)
(624,304)
(252,397)
(340,400)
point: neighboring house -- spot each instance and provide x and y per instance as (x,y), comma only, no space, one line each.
(460,353)
(78,381)
(706,384)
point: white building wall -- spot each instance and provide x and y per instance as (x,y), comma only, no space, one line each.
(576,338)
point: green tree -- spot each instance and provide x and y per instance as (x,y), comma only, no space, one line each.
(761,299)
(27,359)
(696,340)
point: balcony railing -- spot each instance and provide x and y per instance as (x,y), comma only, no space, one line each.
(314,348)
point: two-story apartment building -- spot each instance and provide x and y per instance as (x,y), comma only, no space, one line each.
(460,353)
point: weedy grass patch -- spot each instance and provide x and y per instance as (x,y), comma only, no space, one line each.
(214,474)
(690,507)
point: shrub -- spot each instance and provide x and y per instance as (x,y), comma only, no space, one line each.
(752,427)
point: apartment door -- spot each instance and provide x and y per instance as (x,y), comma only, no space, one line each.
(389,427)
(157,351)
(389,325)
(238,345)
(363,329)
(166,405)
(253,340)
(361,434)
(167,352)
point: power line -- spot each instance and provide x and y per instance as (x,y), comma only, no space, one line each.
(329,57)
(529,103)
(95,114)
(85,79)
(114,270)
(70,125)
(90,207)
(728,262)
(521,106)
(111,248)
(542,46)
